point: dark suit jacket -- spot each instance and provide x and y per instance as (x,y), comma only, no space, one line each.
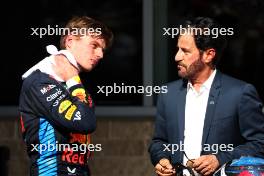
(233,117)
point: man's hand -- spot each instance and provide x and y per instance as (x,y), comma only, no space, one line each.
(206,164)
(63,68)
(164,168)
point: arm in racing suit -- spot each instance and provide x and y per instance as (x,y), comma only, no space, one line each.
(53,114)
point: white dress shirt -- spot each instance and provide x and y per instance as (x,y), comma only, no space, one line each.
(195,109)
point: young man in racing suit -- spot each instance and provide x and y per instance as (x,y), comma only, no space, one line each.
(57,113)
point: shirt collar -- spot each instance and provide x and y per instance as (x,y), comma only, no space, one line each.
(206,85)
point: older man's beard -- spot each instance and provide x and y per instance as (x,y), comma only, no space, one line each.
(192,71)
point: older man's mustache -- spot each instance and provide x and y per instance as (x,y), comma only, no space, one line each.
(180,64)
(177,61)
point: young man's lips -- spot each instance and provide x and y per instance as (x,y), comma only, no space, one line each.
(94,62)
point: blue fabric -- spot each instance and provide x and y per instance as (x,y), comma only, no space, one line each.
(47,162)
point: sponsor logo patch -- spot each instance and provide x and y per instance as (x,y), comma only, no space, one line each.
(64,105)
(77,79)
(69,156)
(80,138)
(70,112)
(55,95)
(47,88)
(71,171)
(80,93)
(58,100)
(77,116)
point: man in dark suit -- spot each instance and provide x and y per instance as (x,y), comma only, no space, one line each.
(206,118)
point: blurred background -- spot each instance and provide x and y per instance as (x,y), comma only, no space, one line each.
(140,55)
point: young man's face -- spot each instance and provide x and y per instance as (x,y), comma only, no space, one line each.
(87,50)
(188,57)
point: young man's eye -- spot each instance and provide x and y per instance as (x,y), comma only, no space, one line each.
(94,46)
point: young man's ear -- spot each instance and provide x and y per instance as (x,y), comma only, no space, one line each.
(209,55)
(68,41)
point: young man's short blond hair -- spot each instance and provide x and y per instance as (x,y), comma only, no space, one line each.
(93,27)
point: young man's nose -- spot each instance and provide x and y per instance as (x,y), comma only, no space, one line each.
(99,53)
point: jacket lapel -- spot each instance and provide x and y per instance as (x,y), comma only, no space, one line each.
(181,111)
(211,104)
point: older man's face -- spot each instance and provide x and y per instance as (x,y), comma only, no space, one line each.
(188,57)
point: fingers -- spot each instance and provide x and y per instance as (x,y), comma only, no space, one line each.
(60,60)
(63,68)
(164,168)
(205,170)
(210,172)
(165,163)
(190,163)
(162,174)
(198,162)
(203,165)
(206,164)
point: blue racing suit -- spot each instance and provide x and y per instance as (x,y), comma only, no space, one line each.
(56,122)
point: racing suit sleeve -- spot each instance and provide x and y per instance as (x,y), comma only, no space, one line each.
(71,108)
